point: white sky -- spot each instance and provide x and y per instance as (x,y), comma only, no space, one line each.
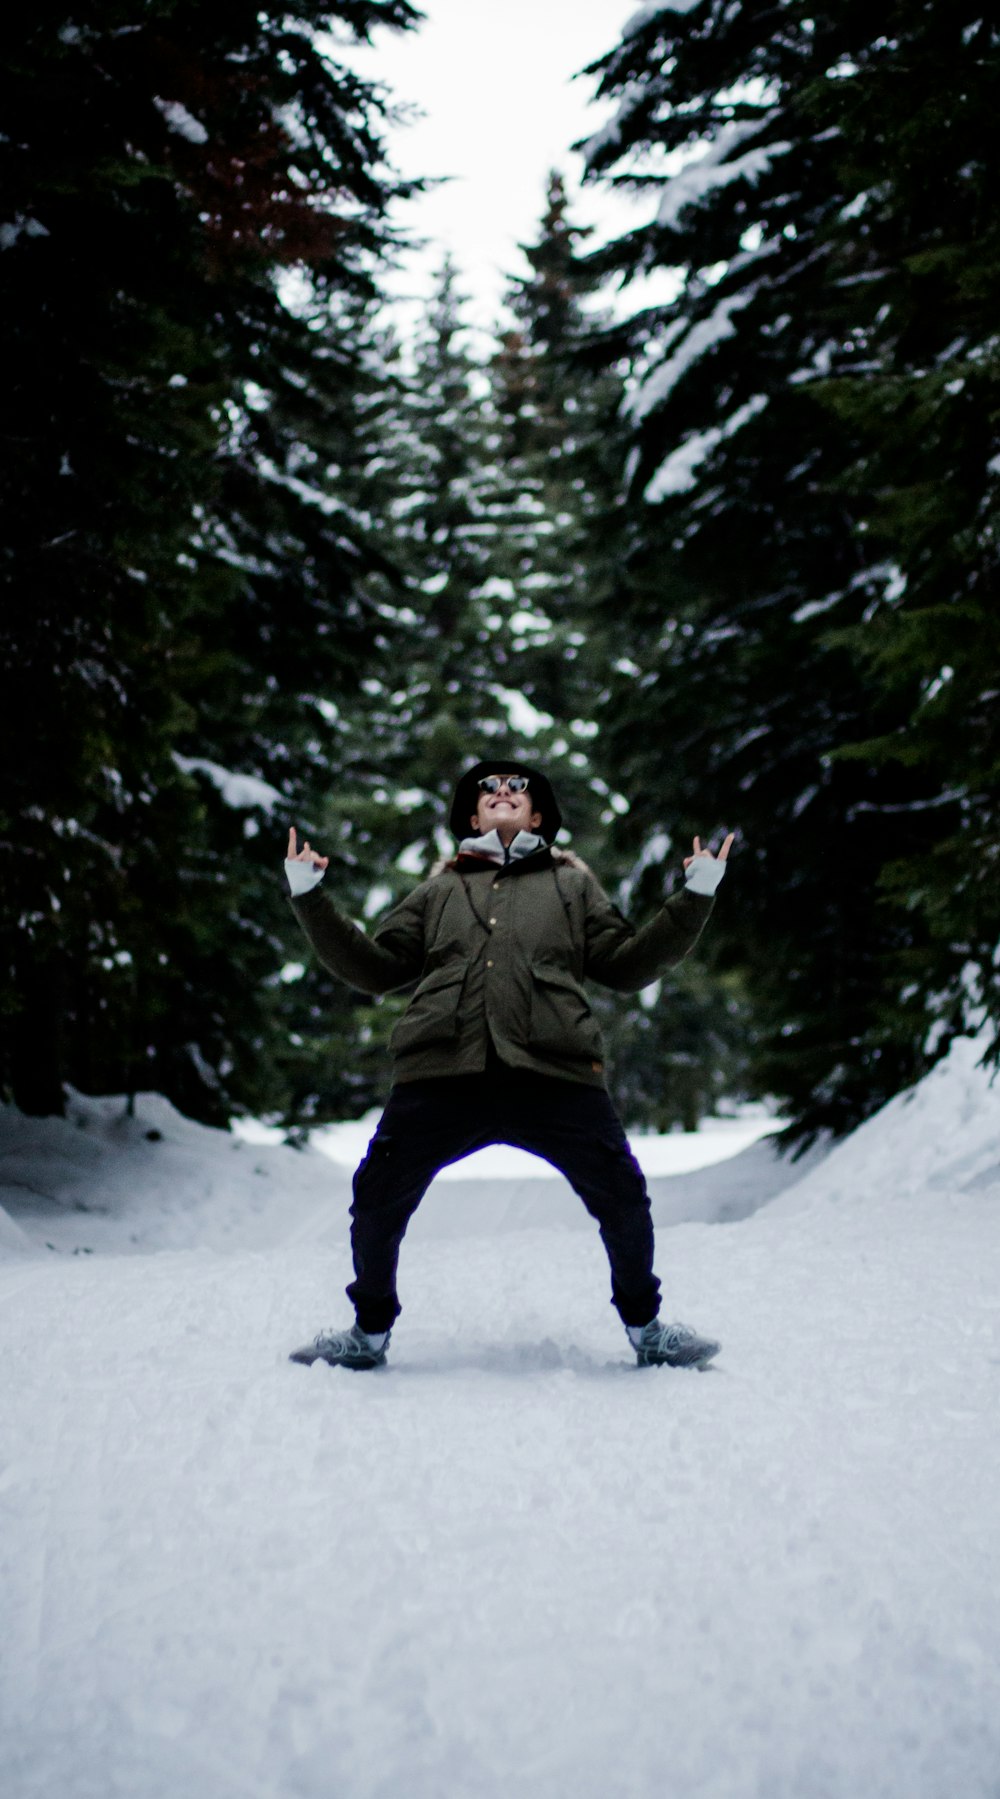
(494,80)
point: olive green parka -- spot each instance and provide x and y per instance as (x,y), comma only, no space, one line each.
(500,953)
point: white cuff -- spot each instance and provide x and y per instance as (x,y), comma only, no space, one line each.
(703,874)
(303,877)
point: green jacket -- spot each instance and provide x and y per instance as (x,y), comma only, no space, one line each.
(501,953)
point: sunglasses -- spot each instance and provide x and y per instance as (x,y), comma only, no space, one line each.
(493,783)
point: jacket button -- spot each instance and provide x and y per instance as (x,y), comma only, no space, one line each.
(489,965)
(492,921)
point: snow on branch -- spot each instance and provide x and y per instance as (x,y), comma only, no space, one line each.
(180,121)
(654,852)
(679,471)
(610,132)
(710,171)
(650,10)
(239,791)
(700,336)
(21,226)
(523,717)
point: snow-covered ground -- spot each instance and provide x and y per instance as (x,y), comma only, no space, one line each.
(510,1562)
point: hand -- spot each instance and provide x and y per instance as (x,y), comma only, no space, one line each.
(723,855)
(305,854)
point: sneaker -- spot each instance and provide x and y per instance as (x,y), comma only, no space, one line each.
(677,1345)
(344,1349)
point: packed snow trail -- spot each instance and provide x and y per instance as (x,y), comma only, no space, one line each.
(511,1561)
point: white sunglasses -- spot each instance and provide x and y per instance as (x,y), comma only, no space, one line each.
(493,783)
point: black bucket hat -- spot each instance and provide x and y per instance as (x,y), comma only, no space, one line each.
(540,788)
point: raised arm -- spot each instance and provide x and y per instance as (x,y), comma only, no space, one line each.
(627,959)
(392,958)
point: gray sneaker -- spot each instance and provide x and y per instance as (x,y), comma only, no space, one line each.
(677,1345)
(343,1349)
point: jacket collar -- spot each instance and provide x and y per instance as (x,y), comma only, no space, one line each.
(550,856)
(527,852)
(489,846)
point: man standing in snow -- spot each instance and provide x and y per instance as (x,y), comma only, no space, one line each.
(499,1044)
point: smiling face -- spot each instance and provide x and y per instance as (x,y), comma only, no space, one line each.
(506,813)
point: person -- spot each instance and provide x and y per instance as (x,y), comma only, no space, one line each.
(499,1043)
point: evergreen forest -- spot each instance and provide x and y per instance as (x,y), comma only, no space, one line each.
(726,559)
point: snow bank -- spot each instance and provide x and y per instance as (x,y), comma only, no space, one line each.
(941,1136)
(102,1180)
(12,1238)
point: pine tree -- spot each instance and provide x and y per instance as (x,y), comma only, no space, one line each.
(557,427)
(432,696)
(798,596)
(182,579)
(675,1050)
(438,691)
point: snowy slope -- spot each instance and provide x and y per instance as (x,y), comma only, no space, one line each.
(100,1180)
(510,1562)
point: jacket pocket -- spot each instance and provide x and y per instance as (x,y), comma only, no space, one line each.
(432,1015)
(561,1019)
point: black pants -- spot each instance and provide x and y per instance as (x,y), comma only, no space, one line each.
(429,1123)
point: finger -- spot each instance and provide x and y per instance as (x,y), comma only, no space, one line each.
(697,846)
(727,846)
(291,843)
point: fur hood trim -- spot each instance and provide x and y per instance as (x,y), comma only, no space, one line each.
(571,859)
(563,858)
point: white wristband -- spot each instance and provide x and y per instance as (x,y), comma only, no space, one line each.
(303,877)
(703,874)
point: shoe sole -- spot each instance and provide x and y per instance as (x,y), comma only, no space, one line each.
(306,1359)
(698,1361)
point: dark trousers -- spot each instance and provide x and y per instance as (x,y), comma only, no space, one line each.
(429,1123)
